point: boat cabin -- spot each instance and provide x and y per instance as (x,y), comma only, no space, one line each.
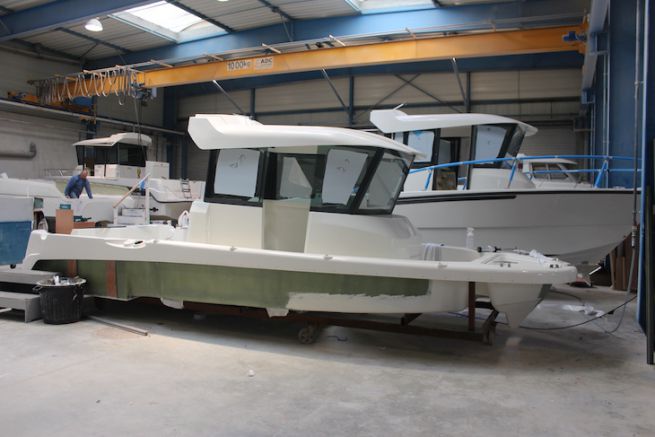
(122,155)
(491,136)
(281,187)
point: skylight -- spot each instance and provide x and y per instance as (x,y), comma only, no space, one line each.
(374,6)
(169,21)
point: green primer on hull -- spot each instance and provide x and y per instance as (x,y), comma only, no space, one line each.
(230,285)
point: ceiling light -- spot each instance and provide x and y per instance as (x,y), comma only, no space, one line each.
(223,1)
(93,25)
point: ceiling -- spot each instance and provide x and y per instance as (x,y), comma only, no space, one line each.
(121,36)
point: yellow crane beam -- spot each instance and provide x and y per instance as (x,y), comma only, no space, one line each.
(497,43)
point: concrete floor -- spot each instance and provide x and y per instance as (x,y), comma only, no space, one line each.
(219,375)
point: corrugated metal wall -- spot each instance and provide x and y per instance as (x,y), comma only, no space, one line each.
(547,98)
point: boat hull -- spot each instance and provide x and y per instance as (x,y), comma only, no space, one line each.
(577,226)
(281,281)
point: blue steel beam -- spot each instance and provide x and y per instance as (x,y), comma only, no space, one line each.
(621,137)
(472,17)
(647,251)
(48,16)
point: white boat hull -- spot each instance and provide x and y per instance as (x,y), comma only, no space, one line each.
(577,226)
(158,264)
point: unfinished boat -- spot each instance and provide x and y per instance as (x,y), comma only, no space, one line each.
(296,218)
(493,201)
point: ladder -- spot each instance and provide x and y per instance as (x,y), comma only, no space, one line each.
(186,189)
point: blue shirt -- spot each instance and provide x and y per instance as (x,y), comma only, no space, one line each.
(75,186)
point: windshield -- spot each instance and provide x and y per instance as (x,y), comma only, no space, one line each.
(341,179)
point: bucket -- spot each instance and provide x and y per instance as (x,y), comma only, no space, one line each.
(61,300)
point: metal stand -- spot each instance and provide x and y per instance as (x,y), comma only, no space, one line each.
(314,322)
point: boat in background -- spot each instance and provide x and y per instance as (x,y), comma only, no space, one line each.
(122,160)
(294,219)
(552,172)
(496,202)
(50,194)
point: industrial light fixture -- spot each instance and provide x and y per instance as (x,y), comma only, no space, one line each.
(93,25)
(223,1)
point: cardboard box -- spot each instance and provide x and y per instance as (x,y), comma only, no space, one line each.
(64,221)
(84,225)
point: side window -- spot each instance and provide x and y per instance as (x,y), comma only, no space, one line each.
(131,155)
(537,169)
(386,184)
(236,172)
(489,141)
(556,173)
(423,141)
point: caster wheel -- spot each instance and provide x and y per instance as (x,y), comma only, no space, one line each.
(308,334)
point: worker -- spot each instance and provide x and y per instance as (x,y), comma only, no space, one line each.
(76,184)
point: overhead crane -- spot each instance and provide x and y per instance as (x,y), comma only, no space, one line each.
(127,80)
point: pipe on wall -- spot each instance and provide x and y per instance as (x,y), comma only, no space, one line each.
(20,155)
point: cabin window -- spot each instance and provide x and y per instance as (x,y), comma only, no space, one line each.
(557,173)
(516,141)
(236,172)
(234,176)
(294,183)
(342,170)
(537,169)
(334,178)
(131,155)
(386,184)
(330,176)
(489,141)
(423,141)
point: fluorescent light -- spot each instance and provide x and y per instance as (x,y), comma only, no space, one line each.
(93,25)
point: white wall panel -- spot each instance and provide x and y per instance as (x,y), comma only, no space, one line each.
(332,118)
(214,103)
(549,83)
(311,94)
(53,140)
(551,141)
(18,69)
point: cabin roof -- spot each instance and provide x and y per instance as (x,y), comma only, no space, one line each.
(124,137)
(394,120)
(221,131)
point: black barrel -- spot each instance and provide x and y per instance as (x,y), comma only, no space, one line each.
(61,301)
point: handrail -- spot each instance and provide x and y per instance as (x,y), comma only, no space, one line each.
(516,159)
(134,187)
(519,158)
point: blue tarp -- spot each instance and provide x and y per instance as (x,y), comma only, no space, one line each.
(13,241)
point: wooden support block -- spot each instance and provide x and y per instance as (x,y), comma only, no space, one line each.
(112,289)
(71,268)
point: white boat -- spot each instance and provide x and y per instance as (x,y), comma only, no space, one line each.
(502,207)
(121,160)
(552,173)
(296,218)
(51,194)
